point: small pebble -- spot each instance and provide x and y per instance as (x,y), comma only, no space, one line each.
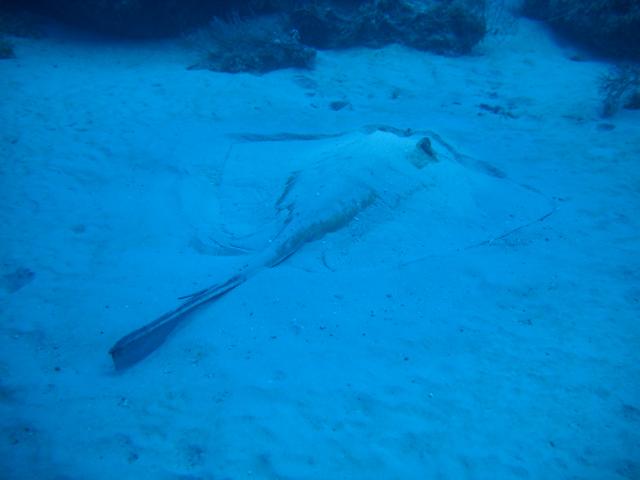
(339,105)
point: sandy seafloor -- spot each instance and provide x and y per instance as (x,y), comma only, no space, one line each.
(518,358)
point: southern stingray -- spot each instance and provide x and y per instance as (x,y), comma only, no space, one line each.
(381,176)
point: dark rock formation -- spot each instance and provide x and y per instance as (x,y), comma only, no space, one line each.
(609,27)
(450,26)
(441,26)
(263,43)
(257,45)
(445,26)
(620,87)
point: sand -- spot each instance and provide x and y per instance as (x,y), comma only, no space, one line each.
(505,357)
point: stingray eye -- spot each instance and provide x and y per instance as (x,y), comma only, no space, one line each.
(424,153)
(425,146)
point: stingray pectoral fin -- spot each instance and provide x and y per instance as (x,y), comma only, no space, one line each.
(140,343)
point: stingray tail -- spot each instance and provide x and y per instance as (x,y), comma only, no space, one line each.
(140,343)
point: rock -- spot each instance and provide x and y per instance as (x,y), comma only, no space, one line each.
(607,27)
(265,58)
(443,26)
(620,87)
(633,102)
(451,27)
(339,105)
(257,45)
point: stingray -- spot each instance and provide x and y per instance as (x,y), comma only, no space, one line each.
(456,202)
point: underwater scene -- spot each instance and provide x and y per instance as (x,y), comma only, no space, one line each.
(320,240)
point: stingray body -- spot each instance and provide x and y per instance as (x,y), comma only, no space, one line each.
(338,179)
